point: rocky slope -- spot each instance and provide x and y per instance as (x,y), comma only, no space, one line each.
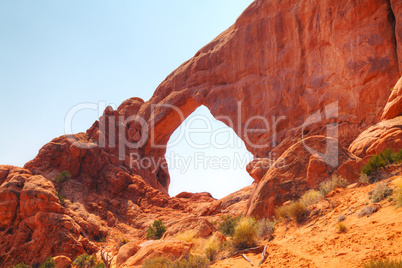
(318,243)
(307,67)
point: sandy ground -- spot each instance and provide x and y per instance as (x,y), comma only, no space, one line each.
(317,243)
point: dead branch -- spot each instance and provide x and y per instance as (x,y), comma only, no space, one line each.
(247,259)
(106,258)
(264,256)
(249,250)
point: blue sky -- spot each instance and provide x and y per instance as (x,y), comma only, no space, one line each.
(57,54)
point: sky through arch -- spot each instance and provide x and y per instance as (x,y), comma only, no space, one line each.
(205,155)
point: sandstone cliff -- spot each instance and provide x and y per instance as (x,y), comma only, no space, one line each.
(282,61)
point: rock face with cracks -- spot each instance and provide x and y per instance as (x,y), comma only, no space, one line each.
(275,77)
(279,64)
(290,176)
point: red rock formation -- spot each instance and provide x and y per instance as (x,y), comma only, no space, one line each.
(199,226)
(291,176)
(125,252)
(385,134)
(282,61)
(394,106)
(287,58)
(152,249)
(33,224)
(396,7)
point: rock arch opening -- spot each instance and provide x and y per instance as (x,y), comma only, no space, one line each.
(205,155)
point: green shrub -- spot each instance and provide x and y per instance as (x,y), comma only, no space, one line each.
(49,263)
(265,228)
(157,230)
(123,240)
(245,234)
(159,262)
(311,197)
(228,224)
(383,264)
(374,164)
(382,159)
(100,265)
(21,265)
(63,177)
(87,261)
(336,181)
(101,238)
(380,192)
(62,199)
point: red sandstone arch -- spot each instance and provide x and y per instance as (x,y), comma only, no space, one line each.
(281,58)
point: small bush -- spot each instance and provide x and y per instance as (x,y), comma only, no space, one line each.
(159,262)
(245,234)
(364,178)
(311,197)
(123,240)
(62,199)
(367,211)
(341,218)
(192,261)
(265,228)
(282,212)
(100,265)
(228,224)
(336,181)
(157,230)
(189,261)
(87,261)
(398,193)
(100,238)
(49,263)
(212,249)
(380,192)
(296,211)
(341,228)
(63,177)
(383,264)
(21,265)
(187,236)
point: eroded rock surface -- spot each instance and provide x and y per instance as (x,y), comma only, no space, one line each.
(291,175)
(281,61)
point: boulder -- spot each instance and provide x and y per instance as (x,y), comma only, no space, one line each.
(385,134)
(171,249)
(125,252)
(62,261)
(200,226)
(393,107)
